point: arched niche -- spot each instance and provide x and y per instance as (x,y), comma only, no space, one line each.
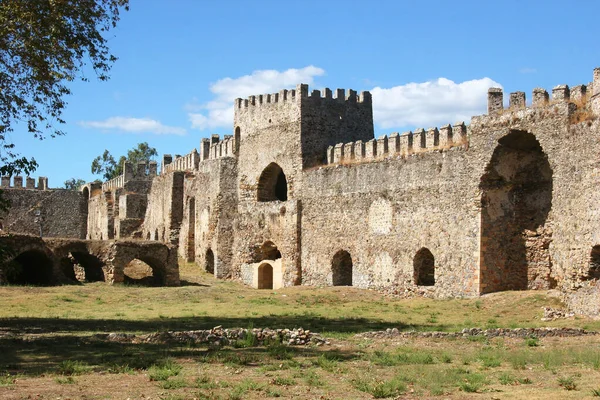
(341,269)
(516,199)
(272,184)
(424,268)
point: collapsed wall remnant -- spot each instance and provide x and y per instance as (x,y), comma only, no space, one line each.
(506,202)
(46,261)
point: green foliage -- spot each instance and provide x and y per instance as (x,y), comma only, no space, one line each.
(68,380)
(283,381)
(44,45)
(596,392)
(401,358)
(532,341)
(381,389)
(176,383)
(163,370)
(70,367)
(106,165)
(7,380)
(567,382)
(74,183)
(205,382)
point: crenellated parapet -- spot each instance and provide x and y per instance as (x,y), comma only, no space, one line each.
(28,183)
(215,147)
(399,145)
(188,162)
(302,92)
(144,171)
(581,97)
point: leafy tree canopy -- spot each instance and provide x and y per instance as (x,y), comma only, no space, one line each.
(106,165)
(44,45)
(74,183)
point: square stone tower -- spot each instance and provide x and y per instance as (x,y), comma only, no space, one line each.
(277,137)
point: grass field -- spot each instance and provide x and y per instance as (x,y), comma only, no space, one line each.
(48,348)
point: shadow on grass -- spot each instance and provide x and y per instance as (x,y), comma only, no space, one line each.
(309,321)
(50,354)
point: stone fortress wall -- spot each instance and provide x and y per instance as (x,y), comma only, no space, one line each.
(302,192)
(38,209)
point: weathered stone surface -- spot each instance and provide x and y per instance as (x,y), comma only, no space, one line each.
(51,212)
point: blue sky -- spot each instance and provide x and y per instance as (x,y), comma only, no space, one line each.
(182,62)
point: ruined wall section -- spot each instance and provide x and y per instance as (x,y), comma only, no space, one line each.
(383,213)
(62,213)
(559,251)
(116,207)
(162,220)
(210,206)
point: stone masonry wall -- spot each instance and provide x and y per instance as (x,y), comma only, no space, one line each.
(383,213)
(165,208)
(63,213)
(210,202)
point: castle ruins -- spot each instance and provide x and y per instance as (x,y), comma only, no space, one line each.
(302,193)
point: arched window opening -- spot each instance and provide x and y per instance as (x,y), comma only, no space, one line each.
(265,276)
(341,268)
(156,237)
(209,262)
(148,236)
(141,273)
(594,269)
(191,243)
(516,199)
(31,267)
(237,137)
(272,185)
(424,268)
(87,267)
(86,193)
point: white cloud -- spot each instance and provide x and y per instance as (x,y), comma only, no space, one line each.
(134,125)
(431,103)
(218,112)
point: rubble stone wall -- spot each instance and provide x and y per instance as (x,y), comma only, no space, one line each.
(62,213)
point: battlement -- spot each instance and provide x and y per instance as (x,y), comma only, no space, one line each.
(213,148)
(399,145)
(581,95)
(142,173)
(188,162)
(29,183)
(302,92)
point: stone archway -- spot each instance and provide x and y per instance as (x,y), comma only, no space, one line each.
(87,267)
(272,184)
(209,262)
(424,268)
(30,267)
(140,272)
(516,200)
(341,269)
(265,276)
